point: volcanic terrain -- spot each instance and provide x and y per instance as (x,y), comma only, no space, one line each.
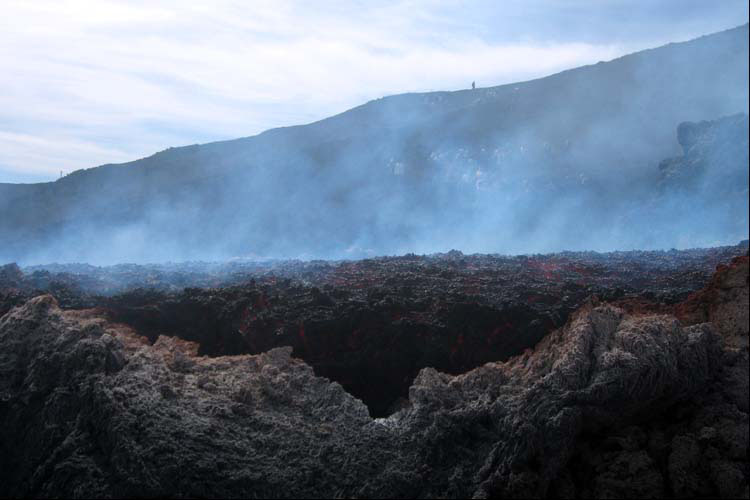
(594,375)
(575,374)
(569,161)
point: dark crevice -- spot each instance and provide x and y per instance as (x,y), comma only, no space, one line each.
(374,352)
(372,325)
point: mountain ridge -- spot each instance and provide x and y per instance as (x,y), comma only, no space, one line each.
(393,166)
(398,96)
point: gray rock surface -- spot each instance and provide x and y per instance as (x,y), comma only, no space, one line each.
(611,405)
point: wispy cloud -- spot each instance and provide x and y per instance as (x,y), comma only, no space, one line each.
(92,82)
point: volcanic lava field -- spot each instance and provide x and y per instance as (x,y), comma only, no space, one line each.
(571,375)
(372,325)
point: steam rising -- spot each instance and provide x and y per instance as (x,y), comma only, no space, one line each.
(570,162)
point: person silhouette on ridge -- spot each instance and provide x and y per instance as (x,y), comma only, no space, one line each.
(473,85)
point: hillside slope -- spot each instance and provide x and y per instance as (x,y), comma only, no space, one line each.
(513,168)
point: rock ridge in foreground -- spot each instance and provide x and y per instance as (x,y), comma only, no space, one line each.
(614,404)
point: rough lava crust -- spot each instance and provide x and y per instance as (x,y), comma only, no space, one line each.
(613,404)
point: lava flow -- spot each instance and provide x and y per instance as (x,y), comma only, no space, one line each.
(372,325)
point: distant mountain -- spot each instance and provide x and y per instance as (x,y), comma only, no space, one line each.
(549,164)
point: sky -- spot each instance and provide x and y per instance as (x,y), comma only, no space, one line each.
(86,83)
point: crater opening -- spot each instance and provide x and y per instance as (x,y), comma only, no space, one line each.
(374,349)
(372,325)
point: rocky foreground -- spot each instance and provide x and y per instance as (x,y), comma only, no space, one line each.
(371,325)
(633,398)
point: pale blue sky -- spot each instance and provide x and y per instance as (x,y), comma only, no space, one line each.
(91,82)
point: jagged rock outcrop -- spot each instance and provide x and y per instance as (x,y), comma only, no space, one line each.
(715,156)
(610,405)
(723,302)
(90,409)
(704,192)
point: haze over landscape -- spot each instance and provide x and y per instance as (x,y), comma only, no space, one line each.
(565,162)
(371,249)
